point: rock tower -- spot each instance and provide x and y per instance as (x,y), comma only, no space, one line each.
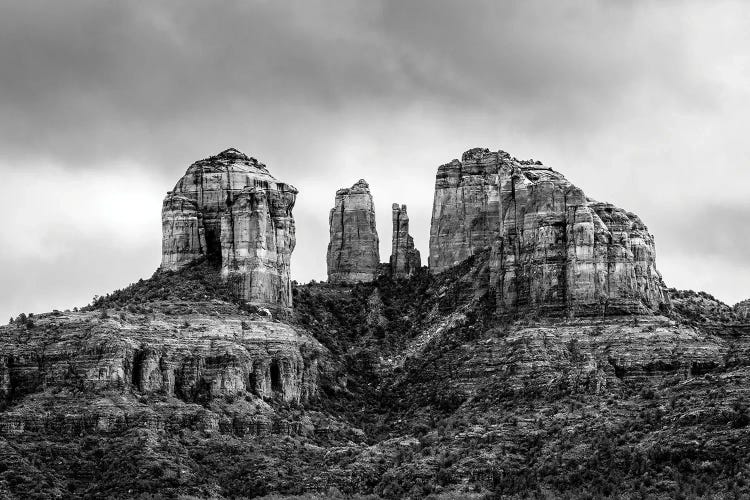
(405,259)
(553,250)
(229,209)
(353,253)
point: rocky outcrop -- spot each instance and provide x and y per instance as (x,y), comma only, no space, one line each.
(582,355)
(742,309)
(231,210)
(353,253)
(194,358)
(705,310)
(554,251)
(405,259)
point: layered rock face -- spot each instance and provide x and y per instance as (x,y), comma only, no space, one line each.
(230,209)
(353,253)
(405,259)
(554,251)
(194,358)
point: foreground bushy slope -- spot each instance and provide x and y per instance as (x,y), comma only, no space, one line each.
(424,393)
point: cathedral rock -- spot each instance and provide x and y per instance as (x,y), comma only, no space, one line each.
(405,259)
(553,250)
(353,253)
(229,209)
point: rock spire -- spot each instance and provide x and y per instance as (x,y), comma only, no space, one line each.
(353,253)
(230,209)
(405,259)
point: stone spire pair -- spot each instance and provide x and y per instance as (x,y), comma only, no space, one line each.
(353,254)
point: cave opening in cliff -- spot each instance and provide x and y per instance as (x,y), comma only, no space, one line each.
(137,368)
(275,376)
(213,246)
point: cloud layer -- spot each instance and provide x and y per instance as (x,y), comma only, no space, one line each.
(105,104)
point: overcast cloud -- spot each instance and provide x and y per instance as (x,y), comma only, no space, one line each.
(106,103)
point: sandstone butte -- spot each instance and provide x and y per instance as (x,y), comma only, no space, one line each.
(353,254)
(554,251)
(229,209)
(541,344)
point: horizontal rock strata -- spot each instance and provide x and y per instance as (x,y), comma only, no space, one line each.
(353,251)
(194,358)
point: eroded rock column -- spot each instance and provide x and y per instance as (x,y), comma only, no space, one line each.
(353,254)
(405,259)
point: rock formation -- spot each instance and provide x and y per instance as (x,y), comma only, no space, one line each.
(405,259)
(193,358)
(195,344)
(465,212)
(554,251)
(742,309)
(353,253)
(171,388)
(231,210)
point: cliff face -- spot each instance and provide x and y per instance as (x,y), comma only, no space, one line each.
(193,358)
(230,209)
(554,251)
(466,211)
(353,253)
(405,259)
(183,232)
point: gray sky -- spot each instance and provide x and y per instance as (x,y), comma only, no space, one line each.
(106,103)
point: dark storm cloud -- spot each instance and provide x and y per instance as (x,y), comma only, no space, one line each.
(99,78)
(89,81)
